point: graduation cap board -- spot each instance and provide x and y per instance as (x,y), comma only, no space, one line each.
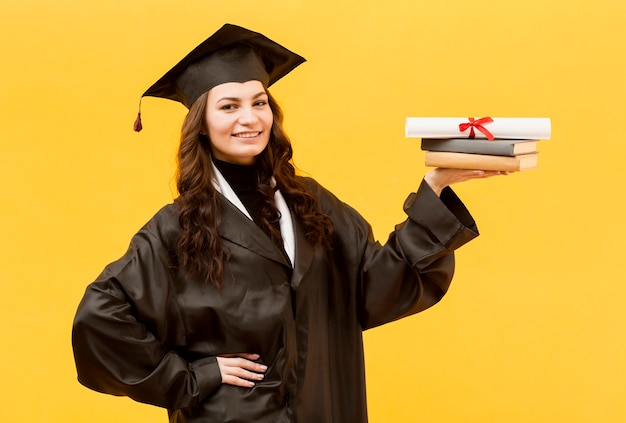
(232,54)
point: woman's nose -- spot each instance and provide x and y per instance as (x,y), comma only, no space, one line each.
(248,115)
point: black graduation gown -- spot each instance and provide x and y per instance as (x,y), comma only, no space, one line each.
(145,331)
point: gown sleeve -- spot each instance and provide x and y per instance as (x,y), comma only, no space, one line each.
(122,341)
(414,268)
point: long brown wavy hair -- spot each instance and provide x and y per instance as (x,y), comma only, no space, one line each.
(200,250)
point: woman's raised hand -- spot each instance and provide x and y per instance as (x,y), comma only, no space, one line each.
(439,178)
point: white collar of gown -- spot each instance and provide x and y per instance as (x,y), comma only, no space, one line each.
(286,224)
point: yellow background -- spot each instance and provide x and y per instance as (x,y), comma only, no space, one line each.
(532,329)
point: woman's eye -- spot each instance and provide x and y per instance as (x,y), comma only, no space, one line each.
(228,107)
(260,103)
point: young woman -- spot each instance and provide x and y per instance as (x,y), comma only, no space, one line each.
(245,299)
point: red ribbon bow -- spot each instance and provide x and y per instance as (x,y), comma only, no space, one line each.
(478,124)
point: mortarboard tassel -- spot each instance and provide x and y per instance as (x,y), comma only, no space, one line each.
(138,126)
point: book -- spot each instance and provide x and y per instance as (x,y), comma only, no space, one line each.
(480,161)
(538,128)
(497,147)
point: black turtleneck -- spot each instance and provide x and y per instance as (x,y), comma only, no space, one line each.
(244,179)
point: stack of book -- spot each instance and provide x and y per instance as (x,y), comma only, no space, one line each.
(504,144)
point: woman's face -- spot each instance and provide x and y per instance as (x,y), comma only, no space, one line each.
(239,121)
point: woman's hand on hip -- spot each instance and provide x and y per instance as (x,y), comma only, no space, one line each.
(240,369)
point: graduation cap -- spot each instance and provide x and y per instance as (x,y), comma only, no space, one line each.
(232,54)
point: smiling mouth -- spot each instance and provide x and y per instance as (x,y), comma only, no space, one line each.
(247,134)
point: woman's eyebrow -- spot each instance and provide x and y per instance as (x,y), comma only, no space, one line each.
(237,99)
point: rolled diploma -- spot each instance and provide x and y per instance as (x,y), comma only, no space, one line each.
(501,127)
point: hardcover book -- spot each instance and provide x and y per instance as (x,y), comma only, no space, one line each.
(481,161)
(497,147)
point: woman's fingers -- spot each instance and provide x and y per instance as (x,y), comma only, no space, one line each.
(241,361)
(439,178)
(240,370)
(241,377)
(242,365)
